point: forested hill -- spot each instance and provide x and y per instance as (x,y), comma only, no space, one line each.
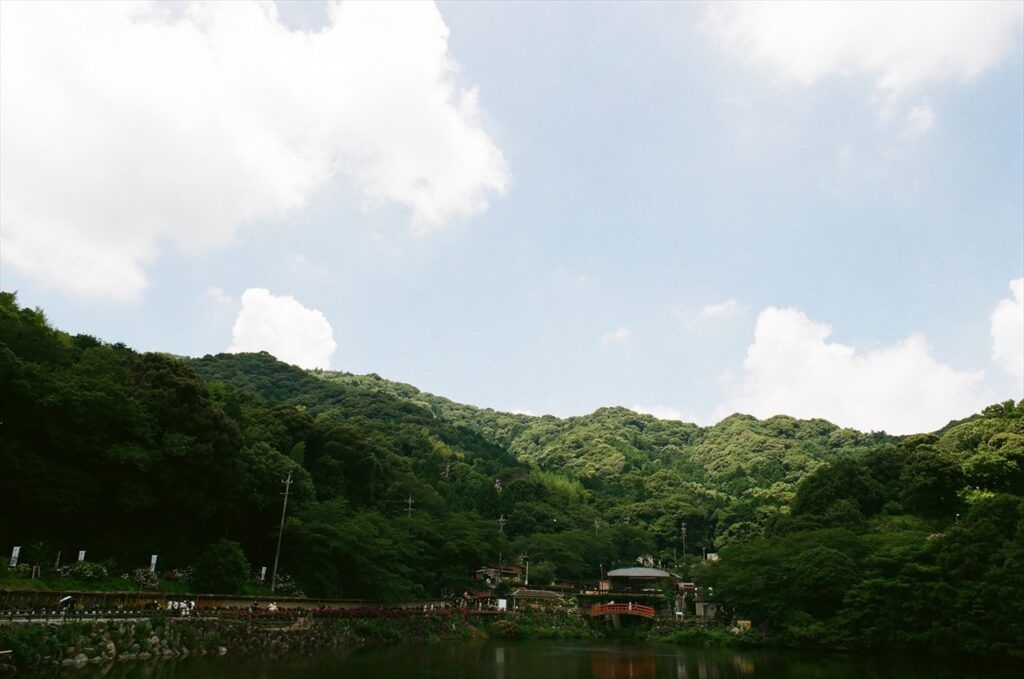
(823,532)
(625,467)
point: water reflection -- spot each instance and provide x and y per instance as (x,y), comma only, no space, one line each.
(636,665)
(553,660)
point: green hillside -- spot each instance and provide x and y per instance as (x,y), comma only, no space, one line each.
(823,532)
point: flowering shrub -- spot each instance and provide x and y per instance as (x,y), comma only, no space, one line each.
(286,585)
(85,570)
(22,570)
(145,578)
(179,575)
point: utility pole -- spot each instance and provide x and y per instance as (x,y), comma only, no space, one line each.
(280,531)
(501,525)
(683,529)
(408,510)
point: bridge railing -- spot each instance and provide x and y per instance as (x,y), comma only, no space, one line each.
(628,609)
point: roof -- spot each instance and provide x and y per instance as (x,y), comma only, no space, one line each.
(535,594)
(478,595)
(638,572)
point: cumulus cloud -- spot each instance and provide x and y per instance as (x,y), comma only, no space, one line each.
(1007,330)
(900,46)
(617,336)
(791,368)
(280,325)
(726,309)
(129,125)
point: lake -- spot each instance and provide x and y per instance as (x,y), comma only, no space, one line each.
(554,660)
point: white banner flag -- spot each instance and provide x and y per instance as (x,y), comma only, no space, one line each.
(14,556)
(152,564)
(81,555)
(263,574)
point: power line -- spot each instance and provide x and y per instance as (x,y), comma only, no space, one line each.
(280,531)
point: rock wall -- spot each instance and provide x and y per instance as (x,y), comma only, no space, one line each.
(76,643)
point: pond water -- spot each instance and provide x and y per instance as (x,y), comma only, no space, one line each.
(554,660)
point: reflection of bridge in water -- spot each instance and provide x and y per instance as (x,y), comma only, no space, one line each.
(639,610)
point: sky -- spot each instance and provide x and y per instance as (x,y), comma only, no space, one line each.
(686,209)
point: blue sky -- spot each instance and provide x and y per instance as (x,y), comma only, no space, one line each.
(681,208)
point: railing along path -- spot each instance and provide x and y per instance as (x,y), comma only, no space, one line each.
(627,609)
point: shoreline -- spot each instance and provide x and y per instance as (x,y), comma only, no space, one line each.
(37,645)
(77,643)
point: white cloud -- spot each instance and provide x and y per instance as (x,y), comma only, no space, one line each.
(522,411)
(792,369)
(617,336)
(921,120)
(283,327)
(726,309)
(660,412)
(127,126)
(900,46)
(218,295)
(1008,334)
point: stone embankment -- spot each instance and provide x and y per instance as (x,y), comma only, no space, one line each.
(79,643)
(107,641)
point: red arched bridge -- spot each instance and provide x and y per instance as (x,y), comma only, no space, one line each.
(621,609)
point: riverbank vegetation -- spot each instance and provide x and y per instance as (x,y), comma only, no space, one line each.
(827,535)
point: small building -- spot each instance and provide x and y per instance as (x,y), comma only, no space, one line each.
(636,579)
(536,598)
(493,575)
(478,600)
(708,610)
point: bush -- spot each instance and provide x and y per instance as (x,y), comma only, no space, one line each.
(87,570)
(222,569)
(144,578)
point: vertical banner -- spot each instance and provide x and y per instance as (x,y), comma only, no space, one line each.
(152,564)
(14,556)
(263,574)
(81,555)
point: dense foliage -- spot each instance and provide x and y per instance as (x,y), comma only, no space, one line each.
(826,534)
(920,543)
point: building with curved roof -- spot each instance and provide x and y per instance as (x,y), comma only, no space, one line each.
(636,579)
(638,572)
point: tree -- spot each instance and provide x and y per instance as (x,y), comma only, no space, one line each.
(222,568)
(930,481)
